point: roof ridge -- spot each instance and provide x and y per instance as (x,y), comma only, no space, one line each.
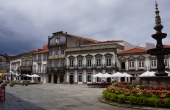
(83,38)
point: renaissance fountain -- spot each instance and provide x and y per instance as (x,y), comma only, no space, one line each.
(161,77)
(159,51)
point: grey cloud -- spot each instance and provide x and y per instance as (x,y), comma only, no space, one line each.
(26,25)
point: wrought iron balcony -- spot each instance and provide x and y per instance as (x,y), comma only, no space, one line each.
(92,66)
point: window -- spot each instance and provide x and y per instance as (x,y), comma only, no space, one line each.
(71,63)
(89,77)
(50,53)
(88,63)
(79,63)
(44,68)
(34,69)
(98,62)
(166,63)
(131,65)
(62,64)
(39,58)
(44,57)
(62,51)
(55,64)
(80,77)
(108,62)
(39,68)
(98,79)
(34,58)
(153,63)
(141,64)
(56,51)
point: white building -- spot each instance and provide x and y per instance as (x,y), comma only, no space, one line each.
(87,60)
(39,66)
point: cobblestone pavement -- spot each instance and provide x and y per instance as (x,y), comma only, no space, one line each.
(55,97)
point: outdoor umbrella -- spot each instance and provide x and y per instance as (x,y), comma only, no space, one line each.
(98,75)
(127,75)
(118,74)
(35,75)
(106,75)
(147,73)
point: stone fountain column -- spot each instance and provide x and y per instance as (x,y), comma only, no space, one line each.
(159,51)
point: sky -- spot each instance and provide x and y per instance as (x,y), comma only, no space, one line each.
(26,24)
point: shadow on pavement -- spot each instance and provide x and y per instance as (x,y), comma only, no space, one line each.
(14,103)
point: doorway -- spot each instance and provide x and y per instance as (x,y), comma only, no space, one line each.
(109,78)
(123,65)
(61,79)
(55,79)
(49,78)
(71,79)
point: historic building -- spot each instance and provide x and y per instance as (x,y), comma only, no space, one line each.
(4,63)
(15,64)
(136,61)
(73,59)
(57,44)
(84,61)
(39,66)
(22,63)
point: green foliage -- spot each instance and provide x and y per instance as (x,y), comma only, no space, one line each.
(121,98)
(141,100)
(166,101)
(154,101)
(132,99)
(113,97)
(108,94)
(122,93)
(104,93)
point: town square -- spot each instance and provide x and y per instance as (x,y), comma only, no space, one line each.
(84,62)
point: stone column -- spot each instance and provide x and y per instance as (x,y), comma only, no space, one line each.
(75,61)
(75,77)
(58,79)
(103,59)
(113,59)
(94,58)
(52,78)
(93,79)
(84,77)
(67,77)
(126,65)
(67,61)
(84,60)
(147,64)
(136,64)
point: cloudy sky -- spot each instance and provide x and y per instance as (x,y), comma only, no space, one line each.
(26,24)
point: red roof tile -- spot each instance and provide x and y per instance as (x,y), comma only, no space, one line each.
(133,51)
(111,41)
(166,46)
(83,38)
(45,49)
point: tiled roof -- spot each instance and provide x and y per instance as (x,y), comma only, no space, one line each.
(132,51)
(83,38)
(6,56)
(166,46)
(108,41)
(45,49)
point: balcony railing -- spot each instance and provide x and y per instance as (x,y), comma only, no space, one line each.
(92,66)
(39,71)
(56,69)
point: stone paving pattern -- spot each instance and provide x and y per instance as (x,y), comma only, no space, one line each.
(59,97)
